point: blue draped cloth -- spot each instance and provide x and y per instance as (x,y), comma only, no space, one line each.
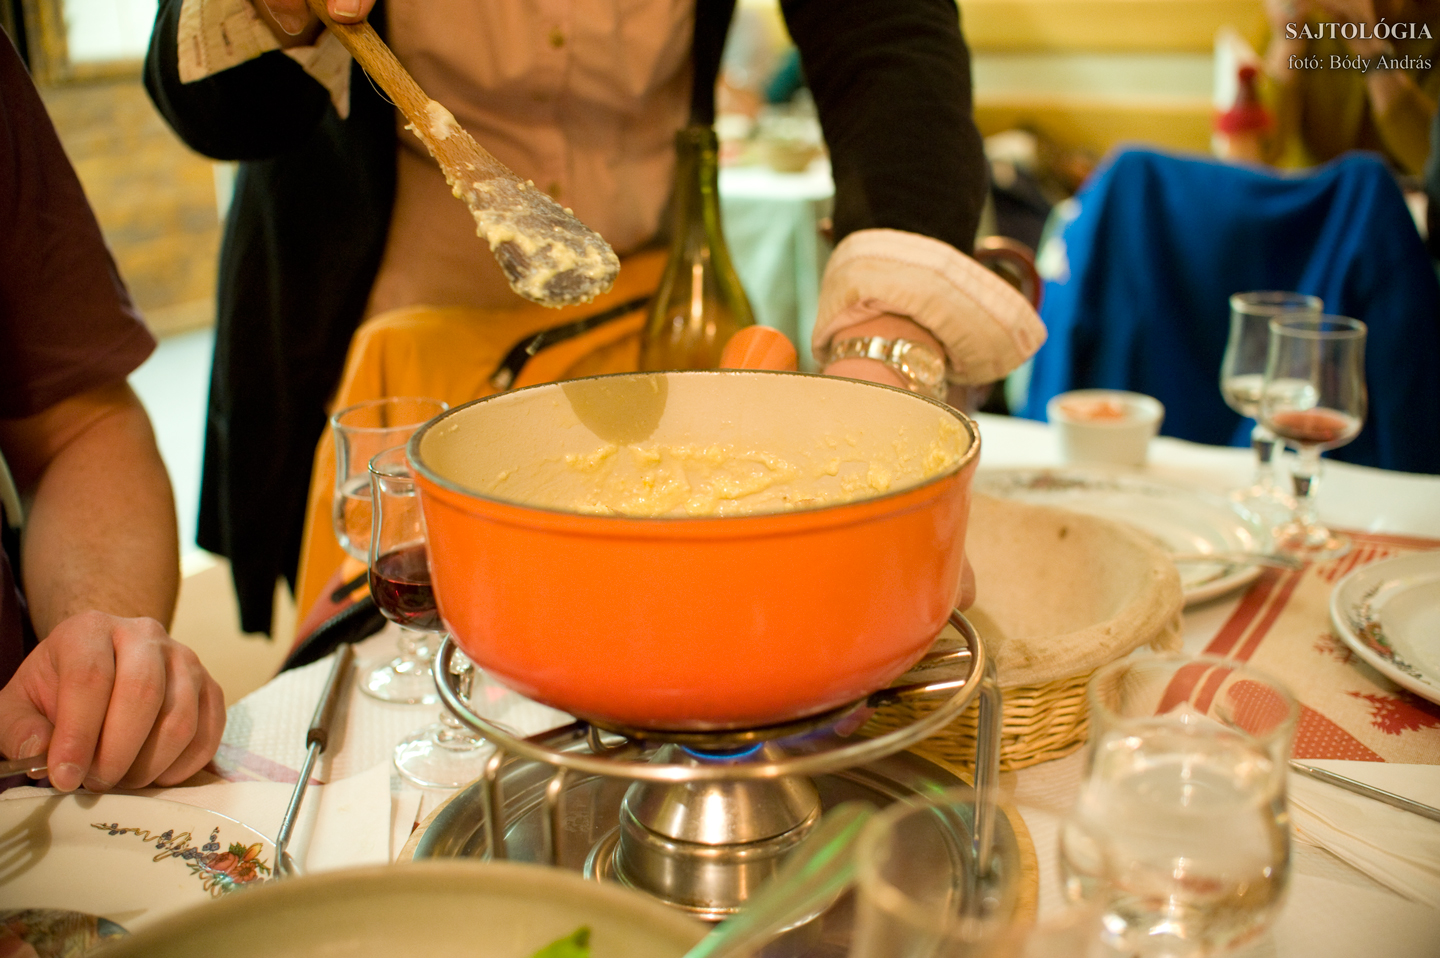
(1155,244)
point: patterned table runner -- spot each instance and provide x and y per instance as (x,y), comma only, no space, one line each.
(1348,710)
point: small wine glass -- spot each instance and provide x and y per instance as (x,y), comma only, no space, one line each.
(1314,399)
(1242,372)
(443,754)
(361,431)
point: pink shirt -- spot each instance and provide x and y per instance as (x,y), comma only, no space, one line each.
(584,98)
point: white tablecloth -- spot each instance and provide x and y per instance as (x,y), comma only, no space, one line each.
(1332,910)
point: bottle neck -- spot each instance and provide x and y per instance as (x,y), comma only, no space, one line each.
(700,301)
(697,186)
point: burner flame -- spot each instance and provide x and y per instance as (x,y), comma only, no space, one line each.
(723,754)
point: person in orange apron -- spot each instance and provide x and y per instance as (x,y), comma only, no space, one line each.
(340,215)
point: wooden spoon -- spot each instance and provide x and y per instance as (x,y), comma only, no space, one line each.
(547,255)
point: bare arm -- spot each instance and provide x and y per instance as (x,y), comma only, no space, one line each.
(108,695)
(100,531)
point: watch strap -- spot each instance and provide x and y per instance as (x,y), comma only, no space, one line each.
(921,367)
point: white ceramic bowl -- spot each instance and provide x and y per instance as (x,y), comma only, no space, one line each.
(454,907)
(1105,425)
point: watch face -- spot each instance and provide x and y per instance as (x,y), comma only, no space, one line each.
(924,364)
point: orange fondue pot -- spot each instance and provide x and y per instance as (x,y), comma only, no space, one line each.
(693,620)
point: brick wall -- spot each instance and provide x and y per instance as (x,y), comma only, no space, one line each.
(155,199)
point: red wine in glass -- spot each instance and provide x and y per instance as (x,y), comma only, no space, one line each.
(1317,427)
(1314,397)
(400,585)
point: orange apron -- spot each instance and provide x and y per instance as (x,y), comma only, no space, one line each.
(450,353)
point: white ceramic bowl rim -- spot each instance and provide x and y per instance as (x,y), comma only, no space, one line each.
(1140,408)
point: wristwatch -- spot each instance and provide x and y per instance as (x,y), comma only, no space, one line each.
(920,366)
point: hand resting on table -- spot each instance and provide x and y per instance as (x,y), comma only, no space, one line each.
(116,702)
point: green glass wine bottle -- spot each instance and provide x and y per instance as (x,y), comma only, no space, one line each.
(700,302)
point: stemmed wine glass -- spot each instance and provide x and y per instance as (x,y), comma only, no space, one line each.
(1313,398)
(1242,372)
(360,432)
(443,754)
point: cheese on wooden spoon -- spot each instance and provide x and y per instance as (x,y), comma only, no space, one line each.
(548,256)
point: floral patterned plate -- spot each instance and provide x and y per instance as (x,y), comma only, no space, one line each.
(127,860)
(1389,613)
(1179,519)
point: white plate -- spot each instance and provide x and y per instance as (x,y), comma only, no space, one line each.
(124,858)
(1389,613)
(1178,518)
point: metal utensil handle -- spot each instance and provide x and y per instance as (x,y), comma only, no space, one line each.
(522,352)
(989,718)
(319,731)
(316,737)
(1273,560)
(1369,791)
(20,766)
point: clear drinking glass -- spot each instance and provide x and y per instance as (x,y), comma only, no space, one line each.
(1314,398)
(1181,829)
(1242,373)
(443,754)
(360,432)
(916,895)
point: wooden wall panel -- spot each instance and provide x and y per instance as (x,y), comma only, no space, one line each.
(1105,26)
(154,198)
(1099,124)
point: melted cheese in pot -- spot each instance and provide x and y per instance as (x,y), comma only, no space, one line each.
(720,479)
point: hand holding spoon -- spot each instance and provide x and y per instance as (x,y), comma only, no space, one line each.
(547,255)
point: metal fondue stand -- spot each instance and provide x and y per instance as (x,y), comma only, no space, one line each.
(704,817)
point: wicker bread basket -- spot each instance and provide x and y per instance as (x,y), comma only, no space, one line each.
(1059,594)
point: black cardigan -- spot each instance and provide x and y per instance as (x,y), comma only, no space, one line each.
(891,80)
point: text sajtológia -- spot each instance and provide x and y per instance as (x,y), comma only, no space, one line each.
(1358,31)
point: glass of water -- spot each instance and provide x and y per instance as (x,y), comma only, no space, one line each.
(1181,828)
(1242,373)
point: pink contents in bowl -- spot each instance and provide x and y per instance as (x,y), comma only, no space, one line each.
(1095,410)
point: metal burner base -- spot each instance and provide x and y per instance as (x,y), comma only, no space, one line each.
(589,834)
(702,833)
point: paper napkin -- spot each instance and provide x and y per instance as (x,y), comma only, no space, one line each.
(1398,849)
